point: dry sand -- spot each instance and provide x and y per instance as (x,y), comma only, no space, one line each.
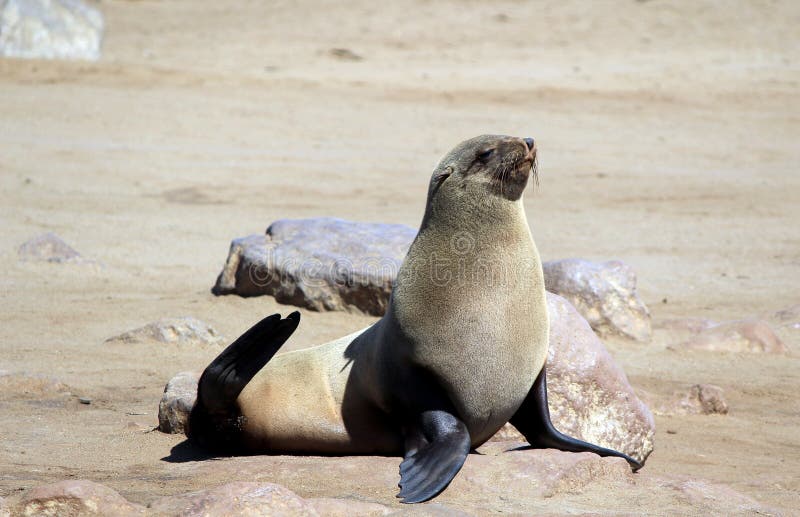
(669,137)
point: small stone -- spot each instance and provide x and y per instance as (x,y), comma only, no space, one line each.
(50,29)
(238,498)
(48,247)
(75,497)
(323,264)
(699,399)
(750,335)
(345,54)
(85,400)
(184,331)
(177,402)
(542,473)
(605,294)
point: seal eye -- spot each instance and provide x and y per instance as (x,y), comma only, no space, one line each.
(485,155)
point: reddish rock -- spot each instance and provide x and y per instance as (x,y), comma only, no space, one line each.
(240,498)
(589,395)
(604,293)
(750,335)
(542,473)
(177,401)
(78,497)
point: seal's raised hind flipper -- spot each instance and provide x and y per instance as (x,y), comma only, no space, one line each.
(438,447)
(532,419)
(215,419)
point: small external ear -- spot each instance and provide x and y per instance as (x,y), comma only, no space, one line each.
(442,176)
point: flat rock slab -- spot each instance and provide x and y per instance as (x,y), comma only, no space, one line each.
(604,293)
(183,331)
(50,29)
(322,264)
(238,498)
(751,335)
(544,482)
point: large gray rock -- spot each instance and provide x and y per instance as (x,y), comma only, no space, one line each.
(75,497)
(751,335)
(183,331)
(177,401)
(238,498)
(48,247)
(322,264)
(50,29)
(605,294)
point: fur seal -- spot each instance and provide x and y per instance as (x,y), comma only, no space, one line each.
(460,351)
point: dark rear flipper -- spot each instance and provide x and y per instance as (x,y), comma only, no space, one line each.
(532,419)
(215,421)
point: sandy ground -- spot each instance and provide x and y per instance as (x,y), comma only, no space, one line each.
(668,136)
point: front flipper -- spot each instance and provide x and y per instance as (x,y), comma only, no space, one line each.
(438,445)
(532,419)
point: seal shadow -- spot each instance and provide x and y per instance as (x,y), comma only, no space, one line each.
(186,451)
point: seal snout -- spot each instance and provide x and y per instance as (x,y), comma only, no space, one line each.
(529,143)
(531,147)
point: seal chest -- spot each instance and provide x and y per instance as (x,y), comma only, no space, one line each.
(481,323)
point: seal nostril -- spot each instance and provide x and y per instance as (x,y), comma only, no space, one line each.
(529,143)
